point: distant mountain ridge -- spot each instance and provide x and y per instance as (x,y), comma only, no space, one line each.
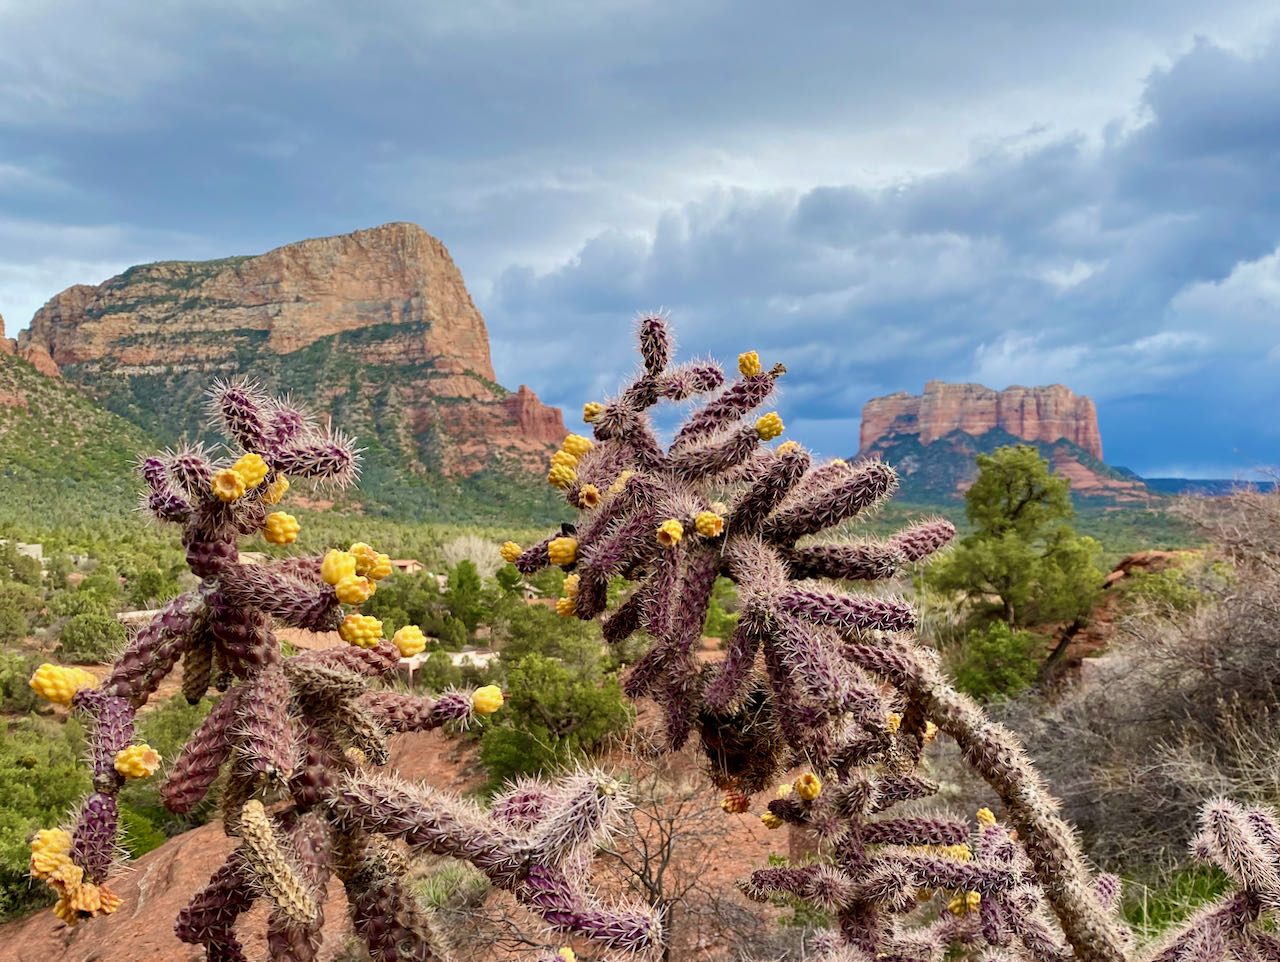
(933,438)
(375,328)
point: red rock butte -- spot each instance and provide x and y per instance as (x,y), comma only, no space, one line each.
(1032,413)
(389,296)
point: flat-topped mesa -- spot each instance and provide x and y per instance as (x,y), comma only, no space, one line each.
(380,319)
(1033,414)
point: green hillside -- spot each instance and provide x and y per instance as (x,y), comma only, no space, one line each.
(62,457)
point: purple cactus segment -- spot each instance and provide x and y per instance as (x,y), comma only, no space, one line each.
(1108,888)
(548,893)
(695,598)
(208,558)
(521,805)
(817,508)
(197,766)
(285,423)
(197,667)
(762,884)
(382,659)
(1264,825)
(328,460)
(813,668)
(114,732)
(730,679)
(287,940)
(850,562)
(408,713)
(296,603)
(695,464)
(241,638)
(242,411)
(576,821)
(385,915)
(169,507)
(847,613)
(923,539)
(944,873)
(191,472)
(767,491)
(155,475)
(267,743)
(902,788)
(320,765)
(1234,845)
(534,559)
(630,542)
(738,400)
(625,620)
(593,594)
(209,917)
(655,345)
(645,673)
(916,831)
(660,594)
(689,380)
(94,839)
(153,652)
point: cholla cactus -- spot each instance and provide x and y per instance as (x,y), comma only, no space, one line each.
(716,502)
(291,734)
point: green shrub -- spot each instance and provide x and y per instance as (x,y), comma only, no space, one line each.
(16,694)
(90,638)
(438,673)
(166,728)
(996,661)
(137,834)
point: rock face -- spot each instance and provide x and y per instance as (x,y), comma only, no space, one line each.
(33,354)
(933,438)
(373,324)
(1034,414)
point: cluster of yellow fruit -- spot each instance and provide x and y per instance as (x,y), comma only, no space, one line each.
(249,471)
(59,683)
(808,786)
(568,605)
(561,473)
(354,573)
(893,721)
(77,899)
(961,902)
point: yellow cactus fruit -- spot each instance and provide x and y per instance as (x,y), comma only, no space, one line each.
(769,426)
(228,484)
(281,528)
(363,631)
(510,551)
(787,447)
(960,852)
(735,803)
(354,590)
(369,562)
(65,912)
(770,820)
(567,954)
(560,476)
(66,875)
(337,564)
(588,496)
(955,905)
(50,849)
(566,607)
(670,532)
(720,508)
(577,445)
(930,732)
(137,761)
(564,459)
(973,900)
(592,410)
(840,461)
(892,722)
(276,490)
(571,585)
(784,790)
(563,551)
(486,700)
(410,640)
(110,901)
(986,817)
(808,786)
(59,684)
(620,482)
(85,898)
(749,363)
(708,523)
(252,468)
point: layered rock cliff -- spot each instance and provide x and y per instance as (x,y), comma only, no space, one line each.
(33,354)
(933,438)
(375,327)
(1030,413)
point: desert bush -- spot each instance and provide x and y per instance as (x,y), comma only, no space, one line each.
(90,638)
(996,661)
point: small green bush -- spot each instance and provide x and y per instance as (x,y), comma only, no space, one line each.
(90,638)
(997,661)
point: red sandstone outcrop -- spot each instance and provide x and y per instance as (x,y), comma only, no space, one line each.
(33,354)
(1035,414)
(390,296)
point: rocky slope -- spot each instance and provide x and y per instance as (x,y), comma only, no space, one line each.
(374,327)
(33,354)
(933,438)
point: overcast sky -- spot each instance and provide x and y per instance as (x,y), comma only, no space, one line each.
(876,194)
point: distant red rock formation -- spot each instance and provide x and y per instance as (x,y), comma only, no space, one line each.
(1034,413)
(392,295)
(33,354)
